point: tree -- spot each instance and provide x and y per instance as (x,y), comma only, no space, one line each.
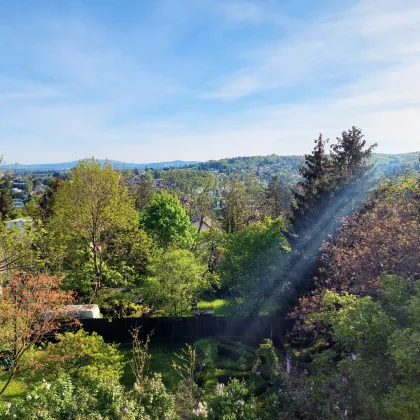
(316,175)
(18,249)
(46,202)
(202,207)
(384,236)
(166,221)
(209,248)
(143,193)
(82,356)
(176,280)
(91,205)
(252,260)
(30,308)
(6,203)
(349,155)
(234,209)
(276,198)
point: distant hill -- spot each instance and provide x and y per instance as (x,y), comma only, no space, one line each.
(115,163)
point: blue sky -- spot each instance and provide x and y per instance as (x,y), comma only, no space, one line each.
(161,80)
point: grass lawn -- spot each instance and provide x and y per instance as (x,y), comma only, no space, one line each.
(16,388)
(222,307)
(226,307)
(163,354)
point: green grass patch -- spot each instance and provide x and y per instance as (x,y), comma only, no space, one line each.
(163,354)
(221,307)
(17,388)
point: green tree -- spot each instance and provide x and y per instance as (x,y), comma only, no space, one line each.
(276,198)
(6,203)
(166,221)
(176,280)
(143,193)
(317,177)
(82,356)
(235,209)
(91,206)
(252,260)
(46,202)
(349,155)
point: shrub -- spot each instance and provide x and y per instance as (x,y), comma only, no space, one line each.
(81,356)
(206,353)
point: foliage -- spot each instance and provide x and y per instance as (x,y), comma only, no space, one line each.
(64,399)
(317,177)
(251,261)
(236,211)
(80,355)
(349,154)
(209,248)
(276,198)
(47,201)
(233,402)
(267,360)
(6,203)
(185,366)
(18,249)
(91,205)
(143,193)
(383,237)
(30,308)
(177,279)
(206,350)
(150,392)
(166,221)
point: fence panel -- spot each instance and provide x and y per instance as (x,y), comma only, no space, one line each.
(190,329)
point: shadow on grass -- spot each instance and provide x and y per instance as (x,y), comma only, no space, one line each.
(163,355)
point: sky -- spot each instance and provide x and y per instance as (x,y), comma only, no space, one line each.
(149,81)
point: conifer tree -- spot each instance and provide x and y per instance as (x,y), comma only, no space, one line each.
(349,155)
(317,176)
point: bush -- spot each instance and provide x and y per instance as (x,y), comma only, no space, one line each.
(66,399)
(206,353)
(233,402)
(81,356)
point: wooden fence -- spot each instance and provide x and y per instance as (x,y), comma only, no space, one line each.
(251,329)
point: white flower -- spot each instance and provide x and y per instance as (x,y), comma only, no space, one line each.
(201,410)
(353,356)
(46,384)
(220,389)
(36,397)
(29,398)
(9,404)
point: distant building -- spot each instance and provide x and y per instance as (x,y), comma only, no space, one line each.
(207,223)
(83,311)
(18,204)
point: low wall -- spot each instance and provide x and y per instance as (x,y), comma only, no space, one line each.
(252,329)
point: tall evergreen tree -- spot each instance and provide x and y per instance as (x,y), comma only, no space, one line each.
(349,155)
(317,177)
